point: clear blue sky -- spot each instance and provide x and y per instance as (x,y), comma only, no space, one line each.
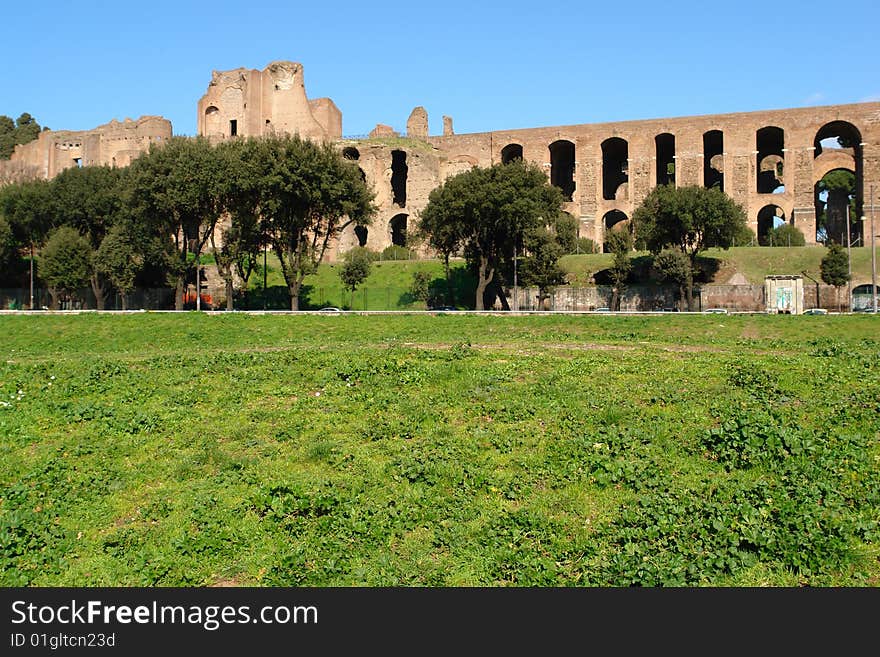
(490,65)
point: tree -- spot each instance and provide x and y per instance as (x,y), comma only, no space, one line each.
(673,266)
(540,266)
(785,235)
(691,219)
(305,195)
(22,131)
(177,188)
(839,185)
(420,287)
(356,264)
(620,244)
(834,268)
(120,258)
(90,200)
(487,213)
(65,263)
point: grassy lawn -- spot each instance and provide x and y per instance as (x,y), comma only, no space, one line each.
(452,450)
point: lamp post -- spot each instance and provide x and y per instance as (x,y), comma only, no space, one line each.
(873,256)
(848,265)
(515,297)
(32,274)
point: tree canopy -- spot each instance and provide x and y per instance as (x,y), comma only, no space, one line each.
(690,219)
(21,131)
(305,195)
(488,212)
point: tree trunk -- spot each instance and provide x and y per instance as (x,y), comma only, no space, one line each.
(230,290)
(484,275)
(689,288)
(615,299)
(293,289)
(124,300)
(99,290)
(450,293)
(178,292)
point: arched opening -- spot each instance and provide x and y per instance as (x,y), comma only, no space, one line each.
(398,229)
(836,202)
(664,146)
(614,220)
(361,233)
(838,172)
(562,167)
(769,217)
(351,153)
(212,122)
(399,171)
(713,159)
(863,296)
(770,144)
(615,166)
(511,152)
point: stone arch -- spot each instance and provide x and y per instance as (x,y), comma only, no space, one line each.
(351,153)
(511,152)
(713,159)
(562,167)
(770,145)
(835,203)
(397,226)
(615,168)
(769,217)
(664,149)
(212,121)
(614,220)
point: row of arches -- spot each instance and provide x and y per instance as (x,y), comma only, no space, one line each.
(835,143)
(397,226)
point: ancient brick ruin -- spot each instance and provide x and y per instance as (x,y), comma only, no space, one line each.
(114,144)
(769,161)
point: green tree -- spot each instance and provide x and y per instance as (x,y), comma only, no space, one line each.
(356,264)
(65,263)
(673,266)
(619,242)
(120,258)
(305,195)
(540,265)
(834,268)
(90,200)
(22,131)
(691,219)
(178,189)
(487,213)
(839,188)
(420,287)
(785,235)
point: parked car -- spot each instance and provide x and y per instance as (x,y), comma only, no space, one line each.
(716,311)
(443,308)
(816,311)
(331,309)
(603,309)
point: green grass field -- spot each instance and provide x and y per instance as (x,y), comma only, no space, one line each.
(458,450)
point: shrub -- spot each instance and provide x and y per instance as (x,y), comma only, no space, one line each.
(784,235)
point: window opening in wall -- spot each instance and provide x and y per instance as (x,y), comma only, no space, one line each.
(562,167)
(770,144)
(233,127)
(399,171)
(361,233)
(713,159)
(665,152)
(78,161)
(510,153)
(398,230)
(615,166)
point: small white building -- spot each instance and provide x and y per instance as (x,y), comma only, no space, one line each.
(784,294)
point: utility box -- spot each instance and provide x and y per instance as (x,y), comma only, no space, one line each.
(784,295)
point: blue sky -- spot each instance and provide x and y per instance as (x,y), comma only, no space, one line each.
(489,65)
